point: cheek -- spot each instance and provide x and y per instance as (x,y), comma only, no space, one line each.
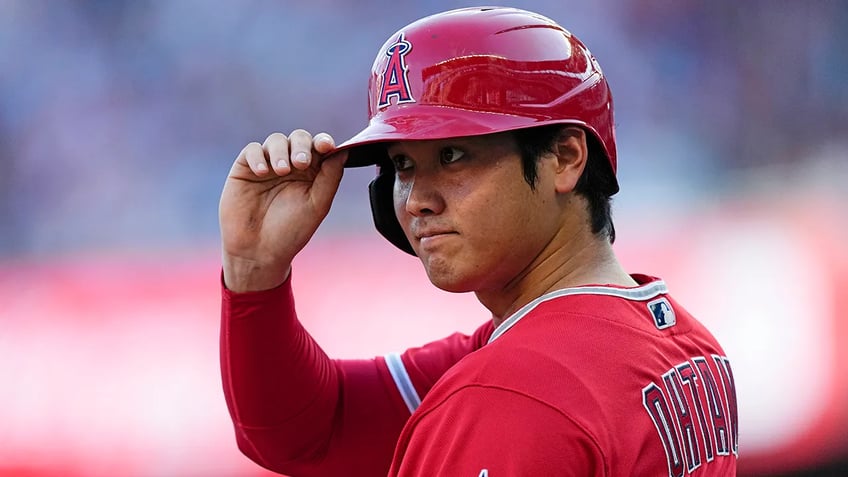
(509,223)
(400,193)
(501,226)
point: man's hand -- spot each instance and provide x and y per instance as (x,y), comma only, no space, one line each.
(275,196)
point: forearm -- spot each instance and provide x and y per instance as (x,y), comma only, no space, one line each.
(281,389)
(294,410)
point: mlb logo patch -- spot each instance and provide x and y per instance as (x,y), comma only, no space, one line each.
(663,313)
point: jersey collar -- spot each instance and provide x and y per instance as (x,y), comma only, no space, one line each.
(643,292)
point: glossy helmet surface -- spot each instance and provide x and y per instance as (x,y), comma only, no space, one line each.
(476,71)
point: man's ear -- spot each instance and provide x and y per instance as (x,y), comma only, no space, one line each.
(571,152)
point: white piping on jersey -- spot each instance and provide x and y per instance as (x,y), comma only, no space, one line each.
(402,381)
(644,292)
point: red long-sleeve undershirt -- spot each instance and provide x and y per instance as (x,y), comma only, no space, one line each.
(298,412)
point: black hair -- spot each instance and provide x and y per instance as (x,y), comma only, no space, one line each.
(596,184)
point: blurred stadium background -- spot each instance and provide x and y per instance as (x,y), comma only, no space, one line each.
(119,120)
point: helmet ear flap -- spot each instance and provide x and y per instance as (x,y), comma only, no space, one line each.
(383,211)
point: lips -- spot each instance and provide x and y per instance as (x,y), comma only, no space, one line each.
(431,232)
(434,234)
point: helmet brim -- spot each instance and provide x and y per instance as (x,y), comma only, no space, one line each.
(428,123)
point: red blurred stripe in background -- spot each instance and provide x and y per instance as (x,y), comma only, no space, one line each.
(110,362)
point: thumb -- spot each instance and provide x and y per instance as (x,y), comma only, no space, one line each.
(327,180)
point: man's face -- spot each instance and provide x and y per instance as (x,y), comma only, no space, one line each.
(465,207)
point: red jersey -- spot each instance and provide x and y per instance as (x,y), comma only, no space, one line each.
(592,380)
(584,381)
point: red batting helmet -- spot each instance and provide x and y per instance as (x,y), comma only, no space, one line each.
(476,71)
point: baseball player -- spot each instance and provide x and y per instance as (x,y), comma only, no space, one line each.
(492,133)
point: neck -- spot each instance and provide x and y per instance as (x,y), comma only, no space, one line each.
(581,258)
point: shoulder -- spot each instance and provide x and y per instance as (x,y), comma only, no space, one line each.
(557,376)
(504,431)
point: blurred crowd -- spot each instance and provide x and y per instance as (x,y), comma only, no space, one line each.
(119,119)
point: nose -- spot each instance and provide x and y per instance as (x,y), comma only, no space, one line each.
(421,196)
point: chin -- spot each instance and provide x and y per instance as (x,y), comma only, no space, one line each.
(451,287)
(445,276)
(449,279)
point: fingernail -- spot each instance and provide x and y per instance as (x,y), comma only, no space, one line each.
(281,164)
(300,157)
(261,167)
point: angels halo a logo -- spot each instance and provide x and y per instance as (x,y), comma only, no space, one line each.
(394,80)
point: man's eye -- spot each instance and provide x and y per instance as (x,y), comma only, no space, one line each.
(401,162)
(450,154)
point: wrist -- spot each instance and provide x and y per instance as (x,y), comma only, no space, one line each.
(245,275)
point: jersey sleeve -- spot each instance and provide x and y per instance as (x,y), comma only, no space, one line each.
(416,370)
(483,431)
(296,411)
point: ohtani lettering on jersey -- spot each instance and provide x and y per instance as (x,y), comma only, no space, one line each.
(694,411)
(394,81)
